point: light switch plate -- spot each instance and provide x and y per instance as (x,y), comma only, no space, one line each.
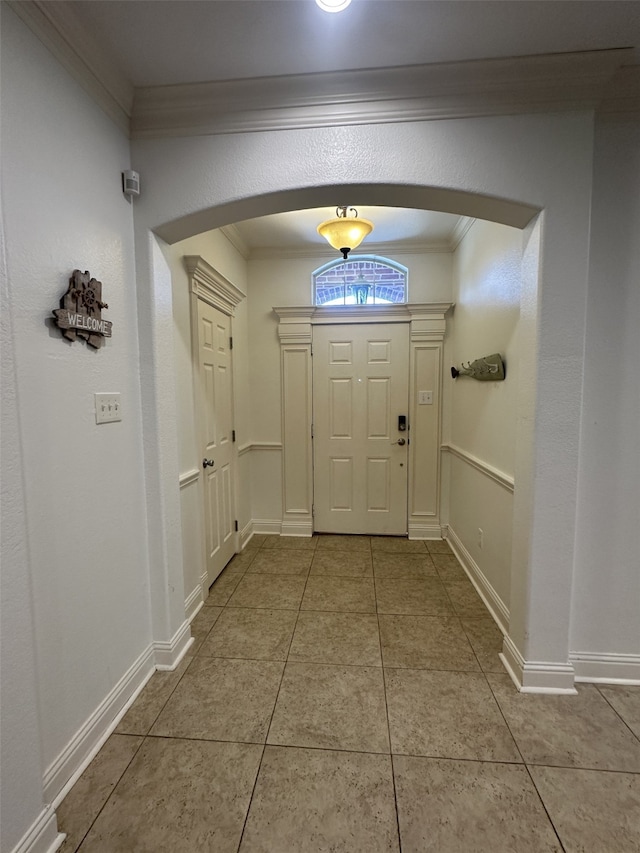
(425,398)
(108,409)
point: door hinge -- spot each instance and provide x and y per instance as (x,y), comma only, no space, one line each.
(311,430)
(233,435)
(235,523)
(230,343)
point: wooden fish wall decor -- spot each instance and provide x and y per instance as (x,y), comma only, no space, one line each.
(491,368)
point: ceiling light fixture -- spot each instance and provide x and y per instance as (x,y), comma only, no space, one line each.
(333,5)
(345,232)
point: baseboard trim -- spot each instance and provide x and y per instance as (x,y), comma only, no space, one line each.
(267,525)
(193,603)
(537,676)
(168,654)
(246,533)
(42,836)
(599,668)
(85,744)
(296,528)
(420,530)
(495,605)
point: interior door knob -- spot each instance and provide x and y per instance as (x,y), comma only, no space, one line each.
(207,463)
(400,441)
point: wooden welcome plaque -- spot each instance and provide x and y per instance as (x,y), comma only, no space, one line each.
(80,311)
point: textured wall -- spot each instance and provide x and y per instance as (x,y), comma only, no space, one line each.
(481,416)
(84,490)
(607,572)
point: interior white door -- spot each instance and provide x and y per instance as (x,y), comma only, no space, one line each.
(360,390)
(216,408)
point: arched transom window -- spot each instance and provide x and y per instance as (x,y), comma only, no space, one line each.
(363,280)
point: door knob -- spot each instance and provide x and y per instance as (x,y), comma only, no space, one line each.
(400,441)
(207,463)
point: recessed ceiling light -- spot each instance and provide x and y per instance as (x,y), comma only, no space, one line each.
(333,5)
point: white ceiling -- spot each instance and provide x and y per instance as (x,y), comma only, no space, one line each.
(163,42)
(159,42)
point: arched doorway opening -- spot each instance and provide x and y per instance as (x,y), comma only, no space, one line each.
(504,211)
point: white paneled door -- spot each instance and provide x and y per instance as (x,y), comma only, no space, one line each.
(360,461)
(216,408)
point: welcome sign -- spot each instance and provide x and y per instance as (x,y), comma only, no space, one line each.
(80,312)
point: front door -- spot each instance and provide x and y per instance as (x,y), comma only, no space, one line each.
(216,408)
(360,391)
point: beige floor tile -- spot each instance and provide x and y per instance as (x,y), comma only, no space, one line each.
(592,811)
(205,620)
(295,543)
(281,562)
(241,562)
(307,801)
(331,707)
(345,564)
(222,588)
(345,542)
(402,566)
(83,803)
(437,546)
(625,699)
(180,796)
(448,567)
(567,730)
(355,595)
(152,699)
(486,641)
(412,596)
(277,592)
(222,699)
(257,541)
(446,715)
(454,806)
(251,633)
(398,545)
(425,642)
(201,625)
(340,638)
(465,599)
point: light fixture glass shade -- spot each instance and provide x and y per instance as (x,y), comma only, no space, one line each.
(344,232)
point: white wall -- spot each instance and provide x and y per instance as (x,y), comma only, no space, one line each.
(63,208)
(216,250)
(481,416)
(607,570)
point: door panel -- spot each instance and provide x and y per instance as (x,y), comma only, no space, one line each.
(216,417)
(360,386)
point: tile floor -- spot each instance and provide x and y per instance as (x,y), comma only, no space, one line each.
(344,694)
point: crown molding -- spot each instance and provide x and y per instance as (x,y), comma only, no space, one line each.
(415,247)
(233,235)
(553,82)
(460,231)
(586,80)
(60,30)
